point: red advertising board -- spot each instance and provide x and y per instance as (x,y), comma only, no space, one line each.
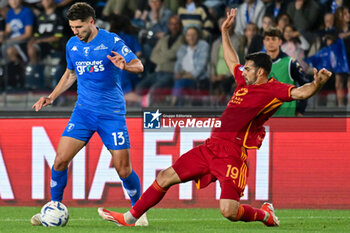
(303,163)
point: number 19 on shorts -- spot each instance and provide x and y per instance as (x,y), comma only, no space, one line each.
(118,138)
(241,174)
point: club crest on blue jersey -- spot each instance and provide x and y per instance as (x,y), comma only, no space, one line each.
(125,50)
(86,51)
(70,127)
(151,120)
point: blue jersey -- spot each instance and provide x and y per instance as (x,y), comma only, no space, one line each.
(131,41)
(18,22)
(99,84)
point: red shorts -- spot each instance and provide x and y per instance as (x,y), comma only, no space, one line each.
(215,159)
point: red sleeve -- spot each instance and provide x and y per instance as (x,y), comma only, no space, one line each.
(282,91)
(237,74)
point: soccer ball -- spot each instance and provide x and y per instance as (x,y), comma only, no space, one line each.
(54,214)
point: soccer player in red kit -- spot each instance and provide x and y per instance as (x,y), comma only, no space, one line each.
(223,156)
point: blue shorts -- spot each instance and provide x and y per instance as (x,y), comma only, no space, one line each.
(112,130)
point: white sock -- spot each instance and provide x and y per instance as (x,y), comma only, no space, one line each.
(129,219)
(267,215)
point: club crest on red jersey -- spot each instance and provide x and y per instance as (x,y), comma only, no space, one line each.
(241,92)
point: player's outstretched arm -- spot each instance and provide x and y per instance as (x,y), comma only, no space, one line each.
(134,66)
(230,55)
(309,89)
(66,81)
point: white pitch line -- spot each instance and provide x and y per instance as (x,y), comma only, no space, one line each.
(184,220)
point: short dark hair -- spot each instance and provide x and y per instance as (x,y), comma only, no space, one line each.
(273,32)
(261,60)
(82,11)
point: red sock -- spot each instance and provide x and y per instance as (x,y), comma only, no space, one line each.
(149,198)
(247,213)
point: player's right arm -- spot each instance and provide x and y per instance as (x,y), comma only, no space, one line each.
(230,55)
(66,81)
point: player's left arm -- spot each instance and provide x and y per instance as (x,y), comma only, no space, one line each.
(309,89)
(134,66)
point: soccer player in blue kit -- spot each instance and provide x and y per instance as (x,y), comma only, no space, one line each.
(95,58)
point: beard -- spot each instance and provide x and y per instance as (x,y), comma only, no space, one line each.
(86,37)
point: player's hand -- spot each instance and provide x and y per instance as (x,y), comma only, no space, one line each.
(42,102)
(227,24)
(322,76)
(118,60)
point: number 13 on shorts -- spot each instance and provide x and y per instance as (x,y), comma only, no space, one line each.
(118,138)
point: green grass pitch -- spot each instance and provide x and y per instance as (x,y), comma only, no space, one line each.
(85,220)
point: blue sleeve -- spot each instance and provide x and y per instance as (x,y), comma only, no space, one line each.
(29,18)
(136,45)
(69,61)
(121,48)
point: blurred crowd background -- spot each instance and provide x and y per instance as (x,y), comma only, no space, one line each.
(179,44)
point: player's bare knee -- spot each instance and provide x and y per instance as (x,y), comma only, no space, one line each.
(229,213)
(162,179)
(229,209)
(124,172)
(167,178)
(60,163)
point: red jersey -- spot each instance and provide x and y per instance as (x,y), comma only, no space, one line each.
(249,108)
